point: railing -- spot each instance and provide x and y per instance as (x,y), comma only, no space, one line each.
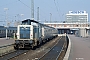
(69,25)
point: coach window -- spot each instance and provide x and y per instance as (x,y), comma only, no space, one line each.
(4,31)
(0,31)
(8,31)
(13,31)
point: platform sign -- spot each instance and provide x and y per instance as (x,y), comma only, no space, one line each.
(77,12)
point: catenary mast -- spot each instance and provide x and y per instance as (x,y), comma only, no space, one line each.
(37,13)
(32,9)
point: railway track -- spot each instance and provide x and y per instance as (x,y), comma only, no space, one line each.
(45,52)
(55,52)
(13,54)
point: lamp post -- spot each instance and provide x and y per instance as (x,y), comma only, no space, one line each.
(50,17)
(6,20)
(38,14)
(21,16)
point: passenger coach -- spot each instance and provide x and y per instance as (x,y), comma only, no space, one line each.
(10,31)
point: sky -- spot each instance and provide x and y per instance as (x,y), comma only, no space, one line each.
(19,10)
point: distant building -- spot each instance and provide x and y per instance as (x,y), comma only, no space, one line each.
(76,22)
(77,17)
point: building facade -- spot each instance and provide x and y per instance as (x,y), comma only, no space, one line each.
(77,17)
(76,23)
(68,27)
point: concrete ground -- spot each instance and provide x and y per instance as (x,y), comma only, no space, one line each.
(80,48)
(5,42)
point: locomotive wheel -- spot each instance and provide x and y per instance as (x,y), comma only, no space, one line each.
(41,43)
(33,47)
(16,47)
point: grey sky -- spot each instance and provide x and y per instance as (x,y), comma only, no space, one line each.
(58,8)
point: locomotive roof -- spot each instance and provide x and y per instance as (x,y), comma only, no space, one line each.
(30,20)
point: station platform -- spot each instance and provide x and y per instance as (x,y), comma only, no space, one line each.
(5,42)
(80,48)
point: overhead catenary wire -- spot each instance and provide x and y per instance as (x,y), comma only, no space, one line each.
(57,8)
(29,7)
(36,11)
(24,4)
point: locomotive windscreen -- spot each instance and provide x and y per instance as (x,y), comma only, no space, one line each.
(24,32)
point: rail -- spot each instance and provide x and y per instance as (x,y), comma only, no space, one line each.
(6,49)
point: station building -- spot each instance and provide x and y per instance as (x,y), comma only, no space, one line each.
(75,23)
(77,17)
